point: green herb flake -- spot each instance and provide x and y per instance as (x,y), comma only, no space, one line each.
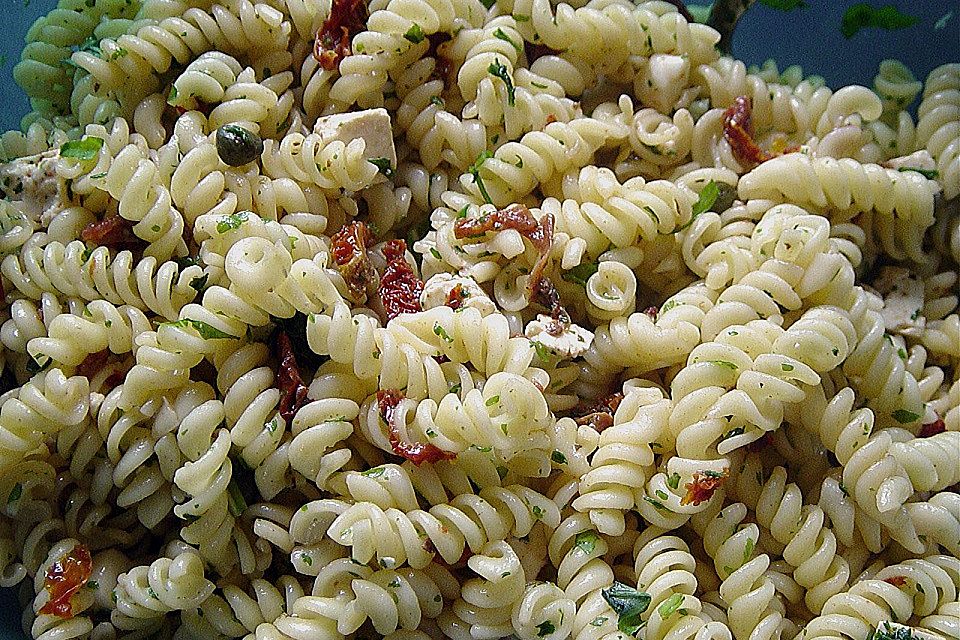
(232,221)
(670,606)
(414,34)
(499,33)
(581,273)
(307,559)
(673,481)
(545,628)
(708,196)
(374,472)
(206,331)
(558,457)
(437,100)
(786,367)
(723,363)
(929,174)
(863,15)
(543,351)
(748,550)
(383,166)
(474,170)
(586,541)
(629,604)
(15,493)
(441,333)
(235,501)
(488,3)
(492,400)
(499,70)
(83,150)
(905,417)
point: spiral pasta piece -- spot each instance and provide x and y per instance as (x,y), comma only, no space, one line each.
(844,186)
(754,611)
(869,603)
(394,537)
(167,584)
(937,129)
(49,402)
(509,416)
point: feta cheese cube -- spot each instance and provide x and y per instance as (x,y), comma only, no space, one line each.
(372,126)
(902,301)
(437,289)
(573,342)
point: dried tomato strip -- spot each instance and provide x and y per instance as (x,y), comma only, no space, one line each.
(112,231)
(415,452)
(599,416)
(703,487)
(540,288)
(514,216)
(456,297)
(897,581)
(350,256)
(400,288)
(293,393)
(932,428)
(738,131)
(64,578)
(332,44)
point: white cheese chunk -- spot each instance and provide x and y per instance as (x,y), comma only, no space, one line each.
(573,342)
(917,160)
(902,294)
(372,126)
(33,181)
(437,289)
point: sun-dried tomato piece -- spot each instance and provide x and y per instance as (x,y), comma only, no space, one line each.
(350,256)
(400,288)
(514,216)
(537,51)
(757,446)
(599,416)
(415,452)
(93,363)
(112,231)
(293,393)
(67,575)
(897,581)
(652,312)
(332,44)
(456,297)
(443,66)
(738,130)
(932,428)
(703,487)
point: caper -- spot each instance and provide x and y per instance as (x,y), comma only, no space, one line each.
(238,146)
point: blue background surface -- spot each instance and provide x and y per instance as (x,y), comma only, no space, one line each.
(810,38)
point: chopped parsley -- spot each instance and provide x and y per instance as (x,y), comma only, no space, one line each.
(383,166)
(905,417)
(206,331)
(414,34)
(499,70)
(83,150)
(232,221)
(586,541)
(581,273)
(629,604)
